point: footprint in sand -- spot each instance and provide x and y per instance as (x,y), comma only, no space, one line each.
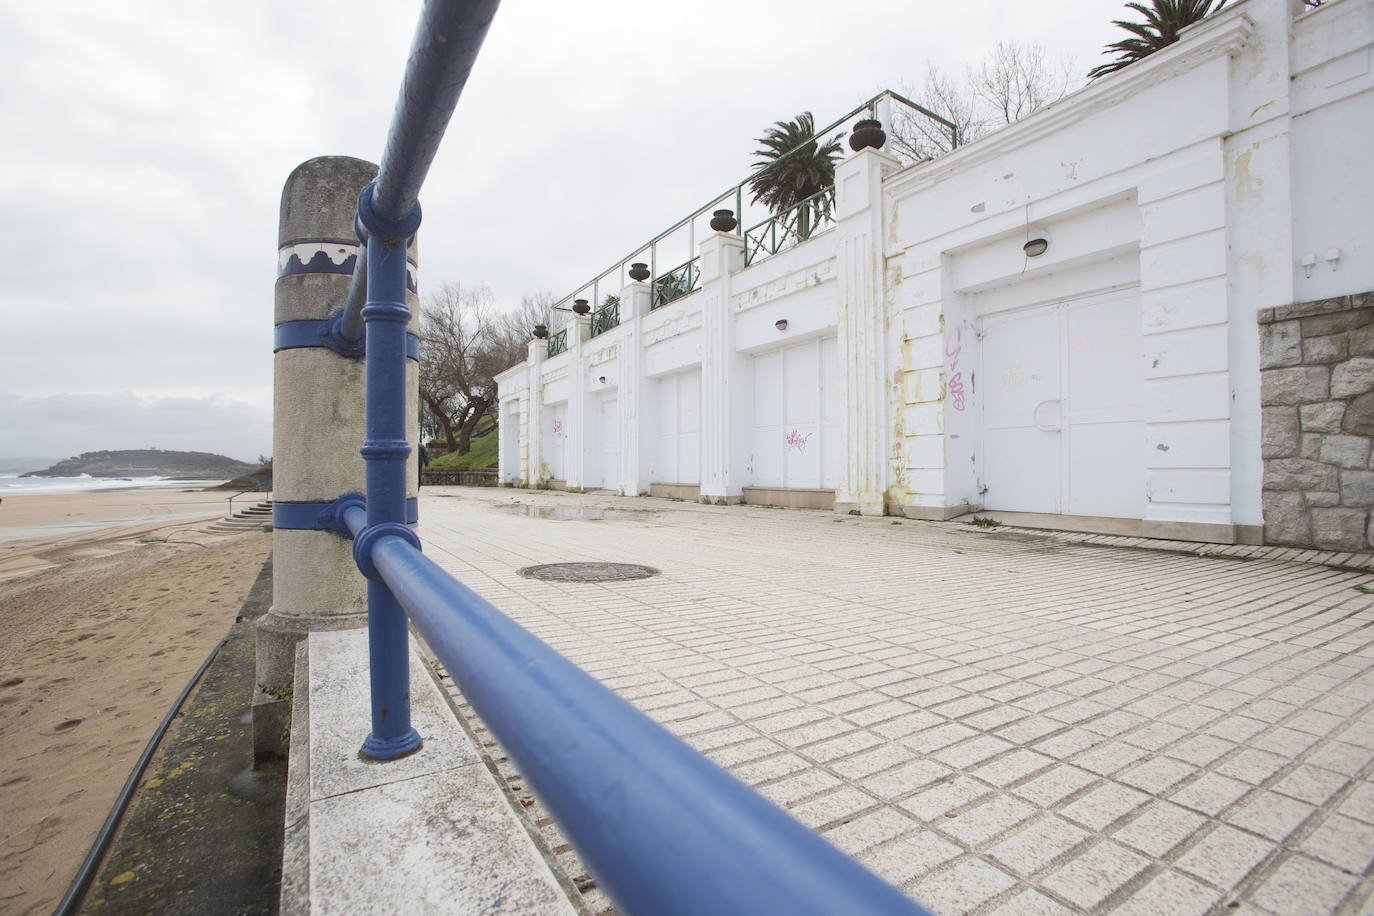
(13,781)
(12,682)
(68,725)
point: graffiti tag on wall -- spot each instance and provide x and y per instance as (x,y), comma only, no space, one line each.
(956,375)
(796,440)
(558,427)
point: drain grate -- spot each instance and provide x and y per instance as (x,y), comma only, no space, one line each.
(588,572)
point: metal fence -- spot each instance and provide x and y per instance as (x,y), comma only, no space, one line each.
(678,242)
(663,829)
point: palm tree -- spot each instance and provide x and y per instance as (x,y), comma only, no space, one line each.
(795,166)
(1163,21)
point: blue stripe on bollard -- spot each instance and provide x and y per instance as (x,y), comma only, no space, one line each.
(292,335)
(317,516)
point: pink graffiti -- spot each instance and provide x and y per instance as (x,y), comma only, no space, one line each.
(796,440)
(956,376)
(558,427)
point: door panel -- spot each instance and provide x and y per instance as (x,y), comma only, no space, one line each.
(1022,442)
(609,466)
(1106,393)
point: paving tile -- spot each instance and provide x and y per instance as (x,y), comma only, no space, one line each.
(1104,805)
(1092,876)
(1056,784)
(942,798)
(1156,774)
(910,856)
(870,830)
(1343,842)
(1300,886)
(961,887)
(1172,893)
(1159,828)
(1223,857)
(1270,815)
(905,779)
(1310,784)
(832,806)
(987,819)
(1036,844)
(1031,902)
(1252,765)
(1211,794)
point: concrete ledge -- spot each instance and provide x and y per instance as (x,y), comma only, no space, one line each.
(936,513)
(1121,527)
(789,497)
(690,491)
(428,833)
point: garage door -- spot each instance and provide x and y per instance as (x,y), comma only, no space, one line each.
(1063,388)
(677,421)
(795,434)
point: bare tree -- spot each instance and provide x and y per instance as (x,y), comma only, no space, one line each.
(465,342)
(1016,79)
(1013,80)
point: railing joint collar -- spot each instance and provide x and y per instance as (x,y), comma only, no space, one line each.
(372,223)
(367,539)
(333,337)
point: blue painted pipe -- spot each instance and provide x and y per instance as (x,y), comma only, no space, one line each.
(663,829)
(385,450)
(351,325)
(446,43)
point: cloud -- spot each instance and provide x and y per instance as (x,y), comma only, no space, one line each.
(67,424)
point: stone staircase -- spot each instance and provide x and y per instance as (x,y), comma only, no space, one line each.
(254,518)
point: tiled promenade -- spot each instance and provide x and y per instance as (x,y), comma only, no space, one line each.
(998,722)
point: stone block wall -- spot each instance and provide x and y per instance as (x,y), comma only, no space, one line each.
(1317,392)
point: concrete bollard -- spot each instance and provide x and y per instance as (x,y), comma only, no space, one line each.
(317,430)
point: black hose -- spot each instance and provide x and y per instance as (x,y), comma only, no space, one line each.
(102,840)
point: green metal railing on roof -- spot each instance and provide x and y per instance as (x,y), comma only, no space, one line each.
(615,275)
(558,342)
(676,283)
(606,317)
(797,223)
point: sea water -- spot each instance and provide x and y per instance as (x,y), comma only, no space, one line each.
(13,484)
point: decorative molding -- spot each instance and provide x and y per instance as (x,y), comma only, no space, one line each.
(792,282)
(680,322)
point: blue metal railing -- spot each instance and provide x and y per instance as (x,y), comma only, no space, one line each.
(663,829)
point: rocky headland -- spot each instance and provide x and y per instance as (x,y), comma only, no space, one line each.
(150,462)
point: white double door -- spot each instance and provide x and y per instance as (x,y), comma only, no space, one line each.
(1062,395)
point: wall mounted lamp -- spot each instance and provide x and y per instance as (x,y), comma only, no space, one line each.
(780,324)
(1036,247)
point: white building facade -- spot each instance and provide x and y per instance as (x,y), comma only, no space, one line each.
(918,358)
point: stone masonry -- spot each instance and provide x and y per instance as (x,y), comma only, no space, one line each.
(1317,392)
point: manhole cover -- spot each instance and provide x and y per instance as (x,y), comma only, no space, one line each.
(588,572)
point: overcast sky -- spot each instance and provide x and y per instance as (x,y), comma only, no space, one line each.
(145,145)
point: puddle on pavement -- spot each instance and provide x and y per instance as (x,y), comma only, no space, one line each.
(563,513)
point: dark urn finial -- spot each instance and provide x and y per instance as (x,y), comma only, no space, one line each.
(724,221)
(868,133)
(581,307)
(541,331)
(639,271)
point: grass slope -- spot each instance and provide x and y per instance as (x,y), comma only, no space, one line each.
(482,454)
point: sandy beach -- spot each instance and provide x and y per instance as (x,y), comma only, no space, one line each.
(103,621)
